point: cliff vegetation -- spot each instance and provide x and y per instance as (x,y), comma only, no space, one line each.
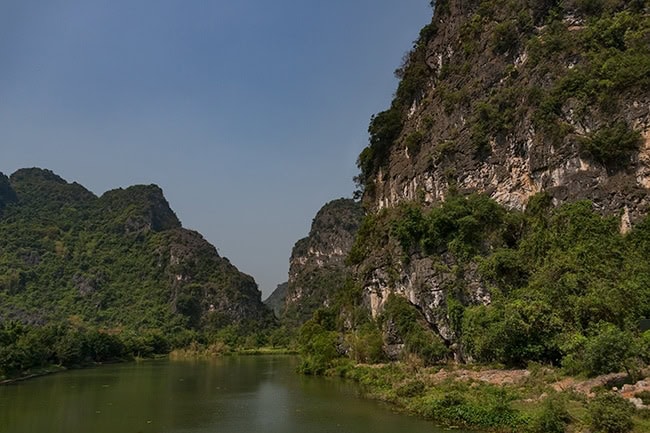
(86,278)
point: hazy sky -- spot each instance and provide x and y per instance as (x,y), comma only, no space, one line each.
(248,113)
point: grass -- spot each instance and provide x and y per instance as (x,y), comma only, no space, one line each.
(459,398)
(201,351)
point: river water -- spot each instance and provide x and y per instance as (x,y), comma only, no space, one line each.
(242,394)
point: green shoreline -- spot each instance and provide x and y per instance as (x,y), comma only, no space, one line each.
(184,354)
(474,397)
(483,398)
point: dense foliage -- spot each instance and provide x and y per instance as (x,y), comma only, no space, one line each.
(25,348)
(567,288)
(609,413)
(118,265)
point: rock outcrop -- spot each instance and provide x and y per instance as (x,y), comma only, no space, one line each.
(122,260)
(507,100)
(277,299)
(317,266)
(492,113)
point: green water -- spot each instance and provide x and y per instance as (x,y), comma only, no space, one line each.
(232,394)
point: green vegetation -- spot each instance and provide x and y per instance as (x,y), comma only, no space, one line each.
(610,413)
(86,279)
(610,145)
(567,289)
(24,348)
(418,338)
(554,416)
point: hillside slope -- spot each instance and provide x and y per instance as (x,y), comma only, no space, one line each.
(317,265)
(119,261)
(506,190)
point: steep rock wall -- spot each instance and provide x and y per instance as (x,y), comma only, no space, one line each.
(507,100)
(317,265)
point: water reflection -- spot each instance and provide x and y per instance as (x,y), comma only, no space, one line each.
(227,395)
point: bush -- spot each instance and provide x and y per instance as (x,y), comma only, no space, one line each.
(554,416)
(610,145)
(506,37)
(318,348)
(410,389)
(366,344)
(414,142)
(492,411)
(606,349)
(412,329)
(610,413)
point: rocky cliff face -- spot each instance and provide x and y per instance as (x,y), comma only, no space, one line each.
(276,300)
(122,260)
(509,100)
(317,265)
(139,208)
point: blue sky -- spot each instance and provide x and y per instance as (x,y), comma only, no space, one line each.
(249,114)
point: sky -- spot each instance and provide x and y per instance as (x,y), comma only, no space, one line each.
(249,114)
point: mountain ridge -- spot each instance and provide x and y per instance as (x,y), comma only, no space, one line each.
(121,259)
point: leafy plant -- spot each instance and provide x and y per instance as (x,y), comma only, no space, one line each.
(610,413)
(610,145)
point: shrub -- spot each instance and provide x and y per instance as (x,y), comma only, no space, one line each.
(611,144)
(384,129)
(318,347)
(412,388)
(411,327)
(610,413)
(414,142)
(605,349)
(506,37)
(554,416)
(366,344)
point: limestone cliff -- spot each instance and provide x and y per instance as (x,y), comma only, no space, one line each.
(507,99)
(317,266)
(122,260)
(277,299)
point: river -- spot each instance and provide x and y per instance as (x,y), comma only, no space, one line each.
(243,394)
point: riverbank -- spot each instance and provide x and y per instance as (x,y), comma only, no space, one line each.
(191,352)
(33,374)
(52,369)
(200,351)
(536,400)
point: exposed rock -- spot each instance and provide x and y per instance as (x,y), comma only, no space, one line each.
(629,391)
(317,266)
(460,75)
(122,260)
(521,161)
(277,300)
(139,208)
